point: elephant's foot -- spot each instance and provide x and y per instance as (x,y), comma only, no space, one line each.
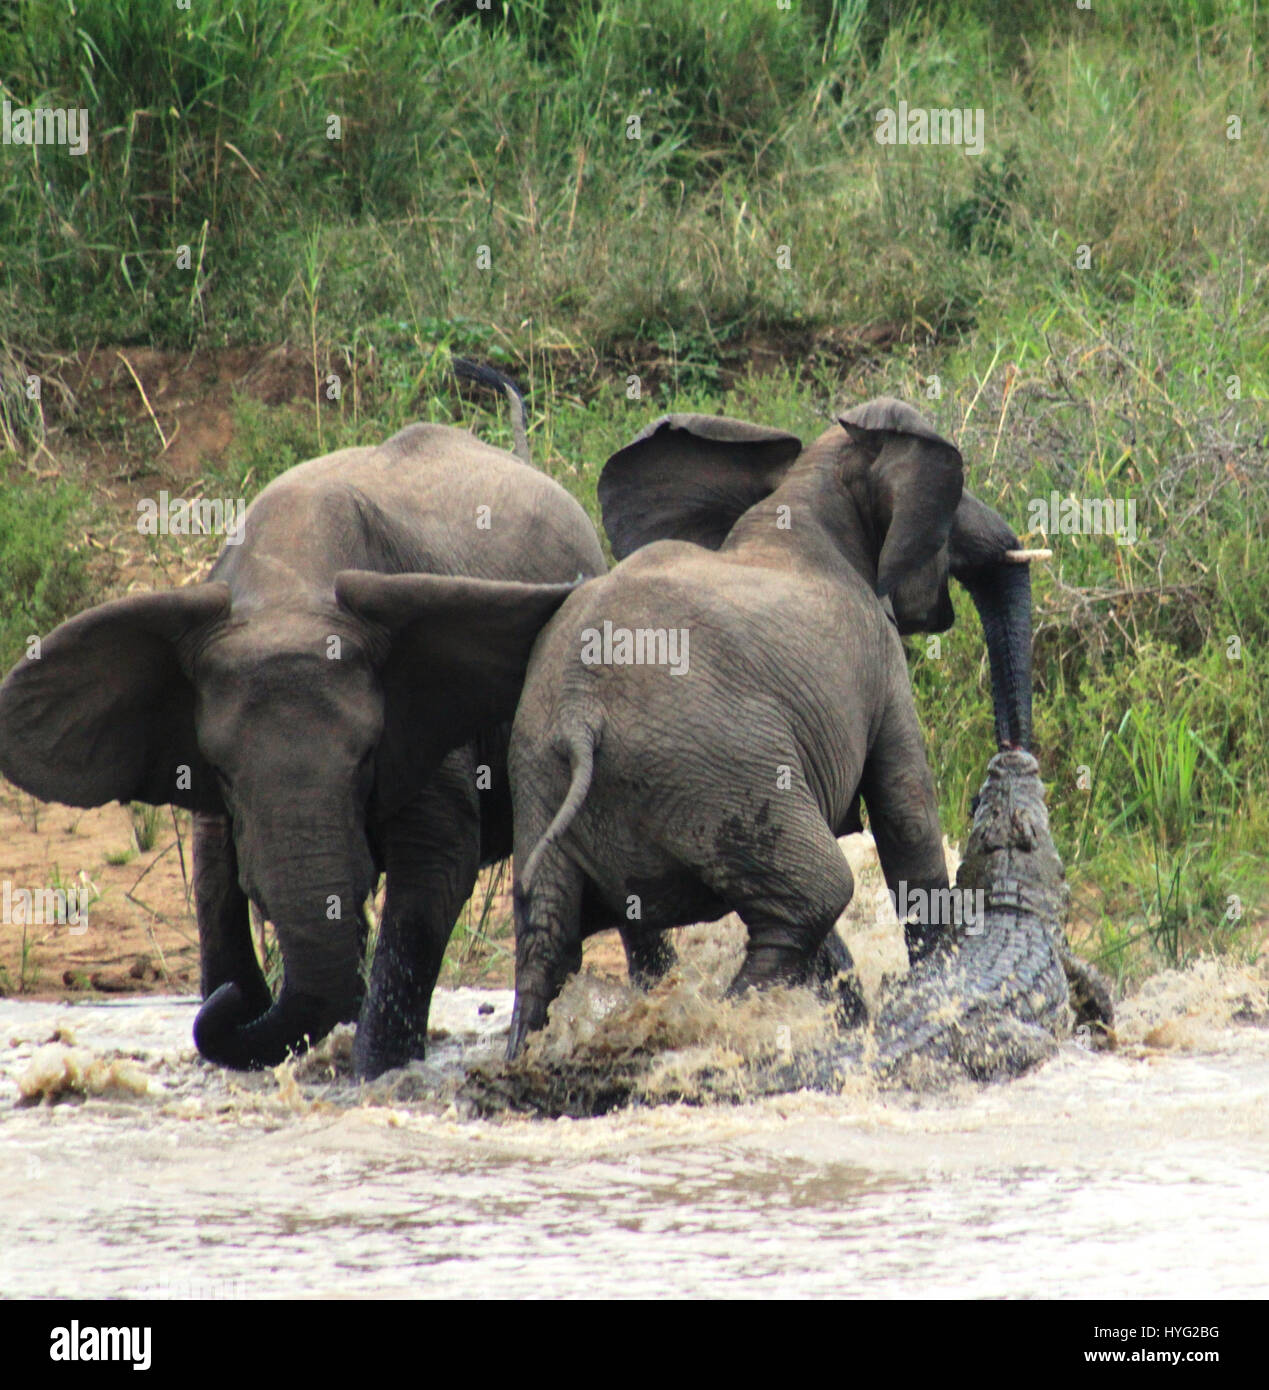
(371,1058)
(649,955)
(830,970)
(527,1016)
(387,1040)
(834,974)
(922,940)
(772,965)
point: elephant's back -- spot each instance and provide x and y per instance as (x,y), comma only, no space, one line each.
(430,499)
(739,614)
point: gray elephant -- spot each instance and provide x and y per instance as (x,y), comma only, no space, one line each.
(699,726)
(333,702)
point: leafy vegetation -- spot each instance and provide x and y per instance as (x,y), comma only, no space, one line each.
(647,204)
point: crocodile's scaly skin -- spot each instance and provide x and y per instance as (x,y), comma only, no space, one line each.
(995,1000)
(990,1004)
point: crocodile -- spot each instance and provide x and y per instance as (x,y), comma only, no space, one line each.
(993,1001)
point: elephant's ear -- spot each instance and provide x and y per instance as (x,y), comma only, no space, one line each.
(102,709)
(456,657)
(690,478)
(915,478)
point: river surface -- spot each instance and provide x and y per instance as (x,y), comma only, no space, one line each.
(1138,1172)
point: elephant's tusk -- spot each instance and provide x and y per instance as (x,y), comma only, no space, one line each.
(1024,557)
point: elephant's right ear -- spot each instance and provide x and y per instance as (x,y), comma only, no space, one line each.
(456,656)
(101,710)
(690,478)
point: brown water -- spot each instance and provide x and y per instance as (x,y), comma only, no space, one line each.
(1140,1172)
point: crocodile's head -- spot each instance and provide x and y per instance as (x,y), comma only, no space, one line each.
(1010,842)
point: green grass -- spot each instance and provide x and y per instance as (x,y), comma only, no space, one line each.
(146,820)
(44,572)
(1142,376)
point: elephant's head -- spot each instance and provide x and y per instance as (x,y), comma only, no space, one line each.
(885,489)
(303,727)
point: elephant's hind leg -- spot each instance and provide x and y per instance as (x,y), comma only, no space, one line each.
(790,908)
(548,940)
(649,954)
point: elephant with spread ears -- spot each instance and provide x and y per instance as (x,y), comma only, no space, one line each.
(332,703)
(698,726)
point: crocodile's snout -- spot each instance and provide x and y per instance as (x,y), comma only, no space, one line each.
(1009,812)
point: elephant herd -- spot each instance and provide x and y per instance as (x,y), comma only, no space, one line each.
(415,662)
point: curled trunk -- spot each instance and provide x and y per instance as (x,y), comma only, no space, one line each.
(322,986)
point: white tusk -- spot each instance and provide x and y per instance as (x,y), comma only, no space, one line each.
(1024,557)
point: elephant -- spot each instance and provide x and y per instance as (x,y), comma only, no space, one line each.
(333,702)
(698,726)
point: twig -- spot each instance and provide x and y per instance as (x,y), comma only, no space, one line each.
(144,398)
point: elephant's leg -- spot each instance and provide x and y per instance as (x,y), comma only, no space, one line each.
(791,907)
(833,970)
(548,941)
(225,950)
(431,856)
(903,814)
(649,954)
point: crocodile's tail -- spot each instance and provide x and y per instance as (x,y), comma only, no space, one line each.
(581,761)
(487,376)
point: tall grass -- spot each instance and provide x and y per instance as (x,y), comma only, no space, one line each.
(510,129)
(753,205)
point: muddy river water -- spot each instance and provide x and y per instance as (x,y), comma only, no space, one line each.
(1141,1171)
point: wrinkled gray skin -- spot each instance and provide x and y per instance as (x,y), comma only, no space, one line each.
(324,711)
(988,1005)
(793,572)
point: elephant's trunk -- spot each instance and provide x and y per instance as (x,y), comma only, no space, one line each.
(226,1033)
(980,549)
(1002,595)
(318,932)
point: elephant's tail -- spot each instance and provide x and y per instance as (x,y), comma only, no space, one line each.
(581,762)
(474,371)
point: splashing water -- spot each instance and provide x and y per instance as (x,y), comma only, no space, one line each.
(1138,1170)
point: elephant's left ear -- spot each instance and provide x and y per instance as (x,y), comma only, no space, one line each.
(916,477)
(457,651)
(690,478)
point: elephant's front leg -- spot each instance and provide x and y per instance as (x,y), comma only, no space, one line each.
(903,815)
(225,950)
(431,856)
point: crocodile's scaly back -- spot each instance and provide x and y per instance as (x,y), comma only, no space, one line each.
(995,1000)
